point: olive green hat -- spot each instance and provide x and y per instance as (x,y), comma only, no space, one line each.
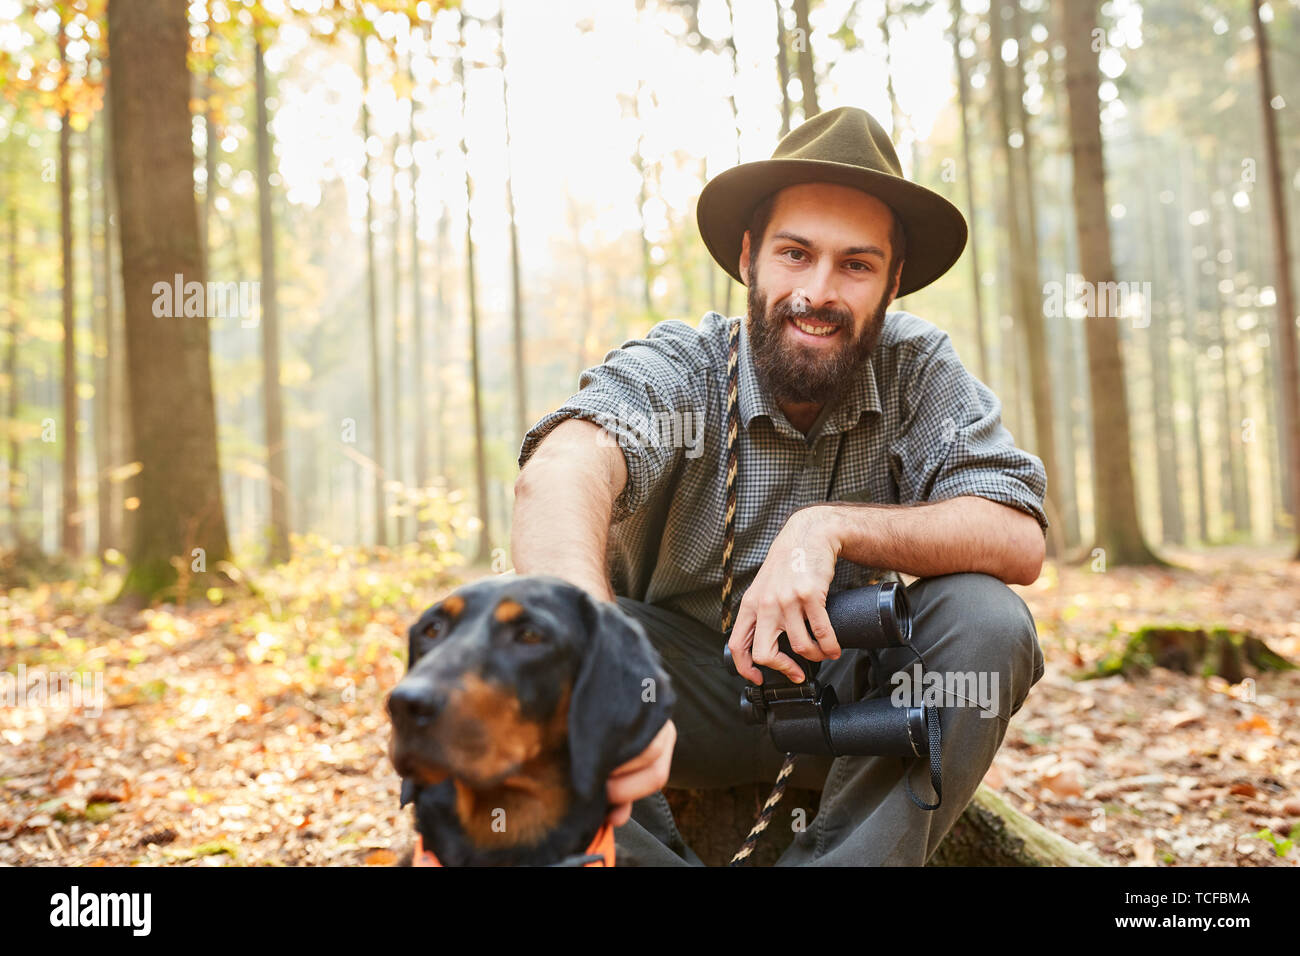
(845,146)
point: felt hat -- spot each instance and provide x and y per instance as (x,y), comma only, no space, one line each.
(845,146)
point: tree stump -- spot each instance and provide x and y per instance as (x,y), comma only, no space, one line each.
(1230,654)
(989,832)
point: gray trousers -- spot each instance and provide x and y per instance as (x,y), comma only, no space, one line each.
(969,624)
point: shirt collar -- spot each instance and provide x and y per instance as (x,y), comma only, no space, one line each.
(862,396)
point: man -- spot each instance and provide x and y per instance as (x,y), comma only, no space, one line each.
(864,447)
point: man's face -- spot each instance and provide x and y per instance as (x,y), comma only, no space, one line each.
(818,290)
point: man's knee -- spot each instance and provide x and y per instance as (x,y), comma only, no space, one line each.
(982,627)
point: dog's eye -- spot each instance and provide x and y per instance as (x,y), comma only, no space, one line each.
(530,636)
(434,629)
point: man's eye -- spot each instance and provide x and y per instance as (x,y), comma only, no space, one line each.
(865,267)
(795,252)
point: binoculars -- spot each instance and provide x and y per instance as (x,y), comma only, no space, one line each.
(808,717)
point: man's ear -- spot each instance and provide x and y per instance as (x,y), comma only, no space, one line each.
(744,258)
(621,697)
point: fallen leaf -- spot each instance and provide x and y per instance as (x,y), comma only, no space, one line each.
(1144,851)
(1258,723)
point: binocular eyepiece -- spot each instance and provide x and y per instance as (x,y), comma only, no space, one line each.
(808,718)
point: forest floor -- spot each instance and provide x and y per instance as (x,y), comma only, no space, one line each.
(252,731)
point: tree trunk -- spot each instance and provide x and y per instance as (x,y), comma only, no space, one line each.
(70,536)
(397,353)
(896,119)
(1118,531)
(584,278)
(1073,401)
(1236,505)
(423,479)
(209,166)
(1040,373)
(968,172)
(119,395)
(1155,240)
(372,306)
(439,325)
(1191,303)
(807,74)
(516,282)
(471,285)
(272,401)
(97,247)
(1289,377)
(735,123)
(1026,291)
(180,538)
(992,833)
(782,68)
(14,491)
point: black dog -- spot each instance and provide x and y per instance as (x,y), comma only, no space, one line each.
(522,695)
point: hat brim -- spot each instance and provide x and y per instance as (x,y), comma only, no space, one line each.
(934,227)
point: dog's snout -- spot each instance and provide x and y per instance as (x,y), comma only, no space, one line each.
(413,704)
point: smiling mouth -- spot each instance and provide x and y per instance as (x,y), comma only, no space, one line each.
(822,330)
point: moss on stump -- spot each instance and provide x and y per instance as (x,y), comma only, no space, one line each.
(1232,655)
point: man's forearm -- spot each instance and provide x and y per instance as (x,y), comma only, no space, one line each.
(563,502)
(961,534)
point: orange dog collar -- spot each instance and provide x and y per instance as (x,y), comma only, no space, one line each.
(602,849)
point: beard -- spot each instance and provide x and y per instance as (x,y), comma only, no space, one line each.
(791,373)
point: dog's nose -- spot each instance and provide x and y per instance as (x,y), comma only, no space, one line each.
(411,704)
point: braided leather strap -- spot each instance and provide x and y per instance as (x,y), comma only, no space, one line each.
(728,547)
(729,510)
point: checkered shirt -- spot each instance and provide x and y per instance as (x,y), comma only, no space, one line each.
(915,426)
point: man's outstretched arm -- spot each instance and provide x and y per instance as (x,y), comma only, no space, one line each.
(564,498)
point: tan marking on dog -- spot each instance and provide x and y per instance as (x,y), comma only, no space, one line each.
(508,610)
(536,797)
(520,811)
(494,712)
(557,728)
(453,605)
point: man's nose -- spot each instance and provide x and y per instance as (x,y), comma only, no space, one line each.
(817,291)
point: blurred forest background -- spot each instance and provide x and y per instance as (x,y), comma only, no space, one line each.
(412,225)
(434,219)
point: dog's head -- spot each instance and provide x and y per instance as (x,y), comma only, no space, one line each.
(513,678)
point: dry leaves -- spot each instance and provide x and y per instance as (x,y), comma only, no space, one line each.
(252,732)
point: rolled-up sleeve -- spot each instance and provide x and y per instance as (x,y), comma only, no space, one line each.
(952,441)
(637,394)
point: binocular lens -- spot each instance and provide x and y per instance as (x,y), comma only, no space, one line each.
(874,616)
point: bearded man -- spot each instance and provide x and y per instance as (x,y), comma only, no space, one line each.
(864,450)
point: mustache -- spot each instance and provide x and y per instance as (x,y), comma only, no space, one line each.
(785,310)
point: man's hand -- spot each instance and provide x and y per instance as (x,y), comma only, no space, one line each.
(791,585)
(641,776)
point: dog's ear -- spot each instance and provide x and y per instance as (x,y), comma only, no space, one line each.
(621,698)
